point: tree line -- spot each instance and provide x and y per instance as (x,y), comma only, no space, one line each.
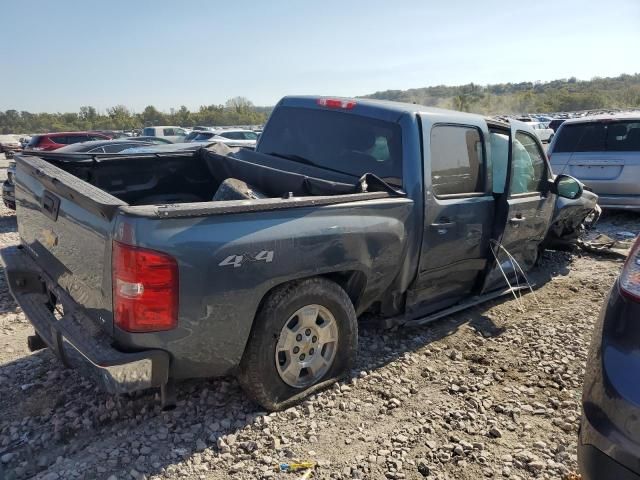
(503,98)
(527,97)
(236,111)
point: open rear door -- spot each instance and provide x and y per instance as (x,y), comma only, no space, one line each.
(523,209)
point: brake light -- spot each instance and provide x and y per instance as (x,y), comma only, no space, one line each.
(145,289)
(630,276)
(336,103)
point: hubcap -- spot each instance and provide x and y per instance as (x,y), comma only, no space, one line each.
(307,346)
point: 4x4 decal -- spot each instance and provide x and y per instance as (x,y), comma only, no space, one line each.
(238,260)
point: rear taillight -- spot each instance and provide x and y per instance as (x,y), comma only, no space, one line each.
(145,289)
(630,276)
(336,103)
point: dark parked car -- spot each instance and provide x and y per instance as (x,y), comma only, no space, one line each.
(609,440)
(555,123)
(103,146)
(258,263)
(53,141)
(154,140)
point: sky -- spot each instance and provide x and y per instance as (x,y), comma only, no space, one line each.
(60,55)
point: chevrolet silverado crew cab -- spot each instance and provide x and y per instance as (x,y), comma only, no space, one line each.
(149,268)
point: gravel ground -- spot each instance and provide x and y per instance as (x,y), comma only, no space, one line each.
(492,392)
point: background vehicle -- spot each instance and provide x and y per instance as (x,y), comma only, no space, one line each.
(544,133)
(104,146)
(8,187)
(173,147)
(53,141)
(609,440)
(257,263)
(95,146)
(9,144)
(555,123)
(603,152)
(156,140)
(236,138)
(175,134)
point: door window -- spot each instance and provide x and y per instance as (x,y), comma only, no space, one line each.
(529,169)
(457,160)
(168,132)
(499,160)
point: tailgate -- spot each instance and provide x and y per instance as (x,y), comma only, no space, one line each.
(607,173)
(66,224)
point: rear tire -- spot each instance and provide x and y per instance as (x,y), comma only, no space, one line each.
(285,324)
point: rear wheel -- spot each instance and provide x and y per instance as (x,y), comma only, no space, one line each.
(304,337)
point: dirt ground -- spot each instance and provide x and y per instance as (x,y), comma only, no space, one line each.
(492,392)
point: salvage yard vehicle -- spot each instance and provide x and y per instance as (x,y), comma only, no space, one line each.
(603,152)
(53,141)
(93,146)
(175,265)
(8,188)
(609,440)
(174,134)
(543,131)
(9,145)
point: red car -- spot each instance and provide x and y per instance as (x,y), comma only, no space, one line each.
(53,141)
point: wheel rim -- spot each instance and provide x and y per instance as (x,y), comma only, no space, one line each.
(307,346)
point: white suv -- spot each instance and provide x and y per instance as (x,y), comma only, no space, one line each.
(175,134)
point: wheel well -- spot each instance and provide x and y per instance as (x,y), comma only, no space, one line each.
(352,282)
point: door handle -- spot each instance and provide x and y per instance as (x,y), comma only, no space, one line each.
(443,225)
(443,228)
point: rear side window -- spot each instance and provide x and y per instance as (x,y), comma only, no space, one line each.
(233,135)
(71,139)
(623,137)
(457,160)
(203,136)
(59,139)
(334,140)
(35,140)
(250,135)
(167,132)
(149,132)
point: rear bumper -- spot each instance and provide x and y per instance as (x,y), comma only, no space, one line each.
(77,341)
(619,202)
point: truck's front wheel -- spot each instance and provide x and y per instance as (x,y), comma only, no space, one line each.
(305,336)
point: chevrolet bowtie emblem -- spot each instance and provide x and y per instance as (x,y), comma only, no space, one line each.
(49,238)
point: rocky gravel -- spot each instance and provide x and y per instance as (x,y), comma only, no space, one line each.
(492,392)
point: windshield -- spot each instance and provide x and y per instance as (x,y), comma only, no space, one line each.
(337,141)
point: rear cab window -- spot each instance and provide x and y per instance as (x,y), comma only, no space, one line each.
(457,160)
(338,141)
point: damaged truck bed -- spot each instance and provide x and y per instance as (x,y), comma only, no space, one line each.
(213,262)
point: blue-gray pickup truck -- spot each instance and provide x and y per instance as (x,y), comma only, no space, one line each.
(143,269)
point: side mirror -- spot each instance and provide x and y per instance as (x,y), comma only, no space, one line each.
(566,186)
